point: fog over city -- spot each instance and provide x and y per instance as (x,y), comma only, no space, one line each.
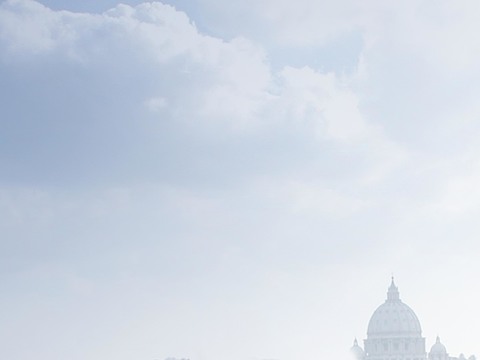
(238,180)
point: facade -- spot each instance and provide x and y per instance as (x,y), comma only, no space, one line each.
(394,333)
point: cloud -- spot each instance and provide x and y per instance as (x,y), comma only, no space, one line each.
(107,93)
(155,104)
(419,60)
(307,23)
(322,101)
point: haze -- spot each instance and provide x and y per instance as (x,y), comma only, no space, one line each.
(236,180)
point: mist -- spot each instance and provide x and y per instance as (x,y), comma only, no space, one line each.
(210,180)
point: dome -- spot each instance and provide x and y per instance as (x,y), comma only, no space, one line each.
(394,318)
(357,351)
(438,348)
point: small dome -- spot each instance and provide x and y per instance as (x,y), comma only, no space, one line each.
(357,351)
(438,348)
(394,317)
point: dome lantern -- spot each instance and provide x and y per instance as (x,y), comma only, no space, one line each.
(393,294)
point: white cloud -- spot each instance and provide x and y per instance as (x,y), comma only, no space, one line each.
(303,23)
(29,26)
(322,101)
(312,199)
(457,196)
(24,206)
(155,104)
(201,79)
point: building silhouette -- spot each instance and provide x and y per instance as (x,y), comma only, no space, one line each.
(394,333)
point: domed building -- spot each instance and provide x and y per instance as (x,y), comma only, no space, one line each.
(438,351)
(394,333)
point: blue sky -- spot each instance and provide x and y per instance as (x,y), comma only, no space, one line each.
(216,180)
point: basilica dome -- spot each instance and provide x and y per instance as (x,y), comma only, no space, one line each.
(394,318)
(357,350)
(438,347)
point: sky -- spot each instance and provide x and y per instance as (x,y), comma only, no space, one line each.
(235,180)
